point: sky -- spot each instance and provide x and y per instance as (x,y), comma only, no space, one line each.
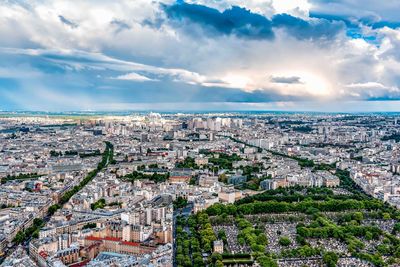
(305,55)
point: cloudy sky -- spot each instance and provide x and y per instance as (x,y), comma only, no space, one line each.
(338,55)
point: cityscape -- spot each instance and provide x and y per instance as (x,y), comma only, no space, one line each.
(199,133)
(200,189)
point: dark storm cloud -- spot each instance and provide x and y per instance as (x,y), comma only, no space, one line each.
(354,26)
(236,20)
(302,29)
(245,24)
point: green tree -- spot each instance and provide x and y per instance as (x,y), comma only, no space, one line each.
(198,260)
(187,261)
(265,261)
(262,239)
(180,259)
(368,235)
(330,259)
(19,237)
(386,216)
(284,241)
(180,202)
(216,257)
(358,216)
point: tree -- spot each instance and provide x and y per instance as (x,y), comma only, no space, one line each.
(101,203)
(221,234)
(198,260)
(284,241)
(265,261)
(89,226)
(219,263)
(187,261)
(53,208)
(207,246)
(180,259)
(19,237)
(188,163)
(358,216)
(262,239)
(223,178)
(368,235)
(180,202)
(37,222)
(330,259)
(216,257)
(396,228)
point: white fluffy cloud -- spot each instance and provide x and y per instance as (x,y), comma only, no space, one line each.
(136,42)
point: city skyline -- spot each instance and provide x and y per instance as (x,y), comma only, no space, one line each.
(266,55)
